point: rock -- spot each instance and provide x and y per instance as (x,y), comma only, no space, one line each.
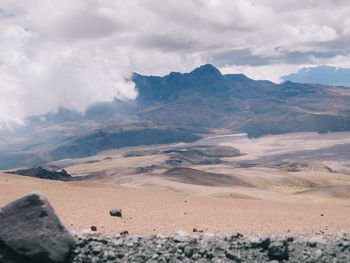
(259,242)
(96,249)
(279,251)
(346,244)
(237,235)
(111,255)
(195,230)
(312,244)
(209,255)
(42,173)
(86,231)
(116,212)
(93,228)
(341,234)
(313,241)
(318,253)
(31,229)
(181,236)
(232,256)
(124,233)
(188,251)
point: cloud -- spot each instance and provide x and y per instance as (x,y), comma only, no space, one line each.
(75,53)
(272,72)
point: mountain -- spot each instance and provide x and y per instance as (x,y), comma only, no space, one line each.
(204,98)
(180,108)
(323,75)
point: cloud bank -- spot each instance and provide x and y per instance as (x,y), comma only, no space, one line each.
(75,53)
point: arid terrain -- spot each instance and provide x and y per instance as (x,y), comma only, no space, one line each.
(296,183)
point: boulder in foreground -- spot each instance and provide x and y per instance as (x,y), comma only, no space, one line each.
(32,232)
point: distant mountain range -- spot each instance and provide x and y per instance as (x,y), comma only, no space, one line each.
(321,75)
(179,108)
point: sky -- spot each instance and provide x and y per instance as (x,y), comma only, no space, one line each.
(74,53)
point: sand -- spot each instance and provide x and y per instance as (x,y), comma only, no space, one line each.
(81,205)
(266,198)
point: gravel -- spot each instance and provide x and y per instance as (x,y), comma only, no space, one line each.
(209,248)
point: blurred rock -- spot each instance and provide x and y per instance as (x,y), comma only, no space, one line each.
(31,231)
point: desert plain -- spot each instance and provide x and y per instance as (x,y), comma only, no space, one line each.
(296,183)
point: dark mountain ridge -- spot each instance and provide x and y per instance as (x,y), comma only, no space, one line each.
(206,80)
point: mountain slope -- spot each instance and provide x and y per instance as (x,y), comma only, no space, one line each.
(206,98)
(181,107)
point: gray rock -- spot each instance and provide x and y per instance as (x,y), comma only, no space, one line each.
(259,242)
(317,240)
(279,251)
(188,251)
(318,253)
(116,212)
(232,256)
(31,229)
(124,233)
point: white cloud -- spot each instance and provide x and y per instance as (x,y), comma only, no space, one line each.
(271,72)
(74,53)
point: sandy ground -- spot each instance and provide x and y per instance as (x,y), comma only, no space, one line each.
(269,183)
(81,205)
(276,201)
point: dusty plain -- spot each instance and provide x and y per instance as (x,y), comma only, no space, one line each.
(281,185)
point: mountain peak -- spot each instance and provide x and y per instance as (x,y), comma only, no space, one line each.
(207,69)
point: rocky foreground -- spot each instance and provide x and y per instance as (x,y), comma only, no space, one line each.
(209,248)
(31,232)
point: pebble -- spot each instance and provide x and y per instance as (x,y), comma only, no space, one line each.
(317,240)
(188,251)
(318,253)
(116,212)
(96,249)
(124,233)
